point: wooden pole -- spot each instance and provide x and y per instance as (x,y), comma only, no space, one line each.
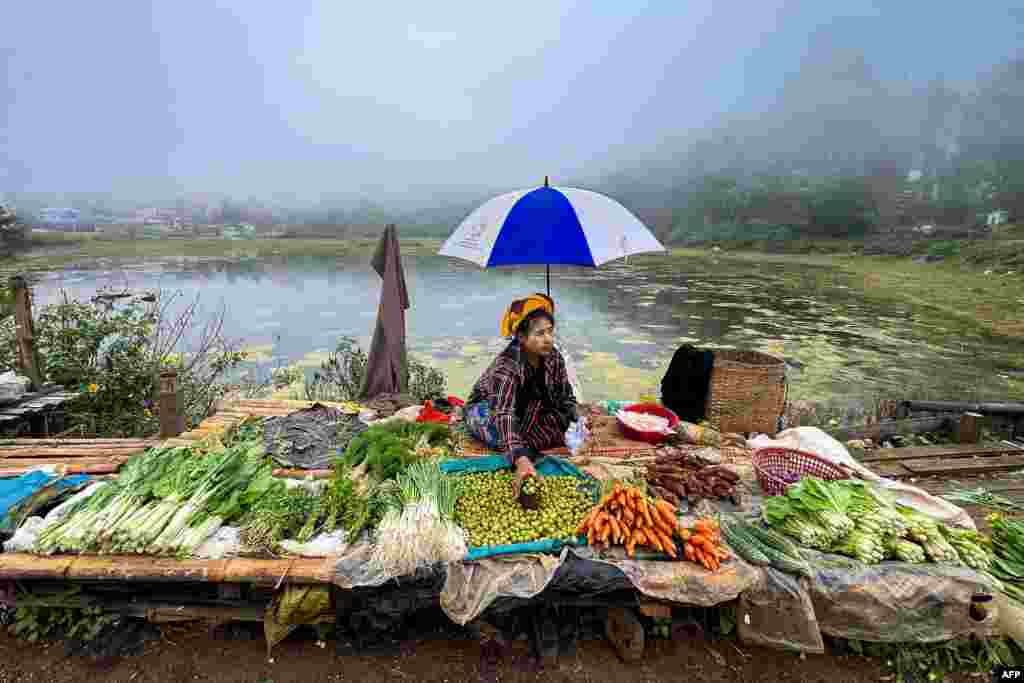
(28,358)
(172,413)
(967,431)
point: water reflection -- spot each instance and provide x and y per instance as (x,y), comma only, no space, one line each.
(620,323)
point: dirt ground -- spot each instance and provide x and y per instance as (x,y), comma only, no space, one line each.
(187,653)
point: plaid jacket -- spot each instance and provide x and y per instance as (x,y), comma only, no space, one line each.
(500,384)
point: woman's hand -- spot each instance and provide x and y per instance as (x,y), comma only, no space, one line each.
(524,469)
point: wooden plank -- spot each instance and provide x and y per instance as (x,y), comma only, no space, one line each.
(63,469)
(39,462)
(17,566)
(965,465)
(6,453)
(77,442)
(890,469)
(924,452)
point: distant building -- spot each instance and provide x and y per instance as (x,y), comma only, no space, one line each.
(69,217)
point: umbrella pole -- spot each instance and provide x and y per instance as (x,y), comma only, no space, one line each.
(548,268)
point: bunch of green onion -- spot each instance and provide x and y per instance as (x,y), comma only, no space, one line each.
(417,528)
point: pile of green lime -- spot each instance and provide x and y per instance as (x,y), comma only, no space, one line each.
(490,514)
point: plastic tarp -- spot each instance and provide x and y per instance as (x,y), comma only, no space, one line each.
(473,587)
(890,602)
(777,612)
(21,496)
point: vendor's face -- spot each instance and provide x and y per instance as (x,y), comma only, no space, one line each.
(540,339)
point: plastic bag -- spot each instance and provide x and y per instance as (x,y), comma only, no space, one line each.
(223,543)
(322,545)
(577,435)
(25,537)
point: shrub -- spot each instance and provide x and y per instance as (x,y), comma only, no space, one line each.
(113,349)
(341,376)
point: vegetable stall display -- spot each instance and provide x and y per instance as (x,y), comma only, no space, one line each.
(681,477)
(853,518)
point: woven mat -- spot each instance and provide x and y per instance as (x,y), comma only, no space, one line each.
(605,441)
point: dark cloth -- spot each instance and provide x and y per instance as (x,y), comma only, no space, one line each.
(684,389)
(545,415)
(386,366)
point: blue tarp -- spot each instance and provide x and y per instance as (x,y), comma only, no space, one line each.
(16,492)
(547,467)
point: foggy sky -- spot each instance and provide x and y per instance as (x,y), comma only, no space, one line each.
(403,99)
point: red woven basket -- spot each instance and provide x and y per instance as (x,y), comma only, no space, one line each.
(771,464)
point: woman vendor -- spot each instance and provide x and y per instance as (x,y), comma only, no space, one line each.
(523,402)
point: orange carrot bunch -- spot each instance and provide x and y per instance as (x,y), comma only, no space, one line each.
(704,544)
(628,518)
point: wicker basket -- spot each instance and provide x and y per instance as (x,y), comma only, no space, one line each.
(747,392)
(771,464)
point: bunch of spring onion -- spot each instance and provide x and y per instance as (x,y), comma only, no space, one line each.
(227,474)
(83,528)
(418,529)
(226,505)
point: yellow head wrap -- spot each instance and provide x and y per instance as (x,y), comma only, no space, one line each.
(521,308)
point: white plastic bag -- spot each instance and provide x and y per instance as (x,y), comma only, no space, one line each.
(323,545)
(25,537)
(577,435)
(223,543)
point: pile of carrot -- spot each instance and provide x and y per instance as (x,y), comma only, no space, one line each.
(626,517)
(704,544)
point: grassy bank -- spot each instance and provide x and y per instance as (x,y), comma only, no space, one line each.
(955,286)
(51,251)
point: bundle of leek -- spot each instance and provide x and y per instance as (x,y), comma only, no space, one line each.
(417,528)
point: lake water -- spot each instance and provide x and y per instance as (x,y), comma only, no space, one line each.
(620,324)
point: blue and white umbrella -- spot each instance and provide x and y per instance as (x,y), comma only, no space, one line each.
(550,226)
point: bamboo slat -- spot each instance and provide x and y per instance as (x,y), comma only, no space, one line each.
(16,566)
(39,462)
(965,465)
(76,452)
(15,443)
(63,468)
(926,452)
